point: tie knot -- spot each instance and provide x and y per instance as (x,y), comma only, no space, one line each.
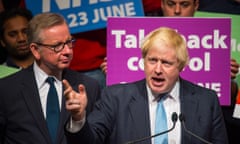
(50,80)
(161,97)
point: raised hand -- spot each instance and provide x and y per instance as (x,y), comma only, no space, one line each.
(76,102)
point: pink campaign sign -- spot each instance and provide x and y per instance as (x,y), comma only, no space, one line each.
(208,41)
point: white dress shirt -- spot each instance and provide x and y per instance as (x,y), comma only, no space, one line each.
(171,104)
(43,87)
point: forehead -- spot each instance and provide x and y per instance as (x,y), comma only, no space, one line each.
(15,22)
(161,45)
(55,33)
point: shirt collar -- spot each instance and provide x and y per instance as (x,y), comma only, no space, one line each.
(40,75)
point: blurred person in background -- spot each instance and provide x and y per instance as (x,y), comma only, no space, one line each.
(16,53)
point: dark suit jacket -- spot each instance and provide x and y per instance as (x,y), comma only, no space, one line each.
(21,117)
(232,124)
(122,115)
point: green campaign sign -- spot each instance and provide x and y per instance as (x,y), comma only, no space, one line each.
(235,35)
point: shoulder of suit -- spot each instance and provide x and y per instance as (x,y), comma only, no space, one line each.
(128,86)
(194,87)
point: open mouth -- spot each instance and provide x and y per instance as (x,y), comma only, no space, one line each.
(157,79)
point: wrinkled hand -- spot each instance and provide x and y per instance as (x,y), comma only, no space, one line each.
(76,102)
(103,66)
(234,68)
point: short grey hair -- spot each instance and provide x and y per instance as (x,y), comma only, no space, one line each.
(40,22)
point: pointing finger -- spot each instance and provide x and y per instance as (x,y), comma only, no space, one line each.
(68,89)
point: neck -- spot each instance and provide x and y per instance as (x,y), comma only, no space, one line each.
(23,63)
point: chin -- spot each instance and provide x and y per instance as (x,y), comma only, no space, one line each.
(158,90)
(63,66)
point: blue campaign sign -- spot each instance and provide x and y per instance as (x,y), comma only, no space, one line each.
(86,15)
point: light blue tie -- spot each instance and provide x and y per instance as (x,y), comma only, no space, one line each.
(52,110)
(161,124)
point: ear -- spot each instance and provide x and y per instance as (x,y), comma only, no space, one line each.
(35,50)
(162,4)
(2,43)
(196,5)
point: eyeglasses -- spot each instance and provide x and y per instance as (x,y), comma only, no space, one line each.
(59,46)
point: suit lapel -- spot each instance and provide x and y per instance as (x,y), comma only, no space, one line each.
(189,106)
(139,111)
(32,99)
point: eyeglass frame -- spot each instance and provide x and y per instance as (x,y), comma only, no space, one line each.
(54,46)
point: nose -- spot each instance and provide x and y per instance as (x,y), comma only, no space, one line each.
(22,37)
(158,68)
(67,48)
(67,52)
(177,10)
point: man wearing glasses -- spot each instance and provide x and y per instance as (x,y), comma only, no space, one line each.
(32,105)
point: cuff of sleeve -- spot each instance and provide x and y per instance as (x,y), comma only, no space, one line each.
(75,126)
